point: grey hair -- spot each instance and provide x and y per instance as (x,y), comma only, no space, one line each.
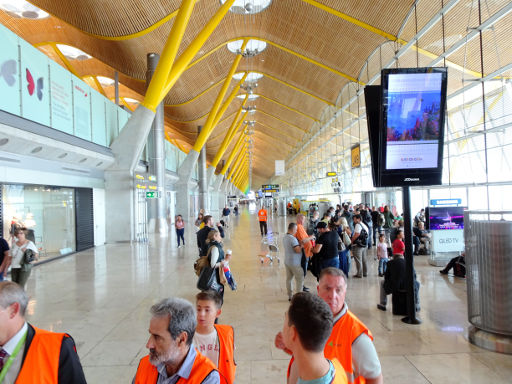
(332,271)
(11,293)
(181,314)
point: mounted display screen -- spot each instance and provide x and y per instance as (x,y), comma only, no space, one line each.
(446,218)
(412,130)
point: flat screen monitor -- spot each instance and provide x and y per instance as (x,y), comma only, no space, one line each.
(372,94)
(442,218)
(412,118)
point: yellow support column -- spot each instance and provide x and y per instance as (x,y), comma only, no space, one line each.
(236,164)
(237,168)
(242,176)
(228,101)
(188,55)
(208,126)
(229,135)
(243,164)
(153,94)
(233,152)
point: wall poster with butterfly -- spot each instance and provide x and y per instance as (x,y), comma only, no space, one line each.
(35,100)
(9,73)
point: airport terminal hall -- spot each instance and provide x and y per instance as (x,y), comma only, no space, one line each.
(255,191)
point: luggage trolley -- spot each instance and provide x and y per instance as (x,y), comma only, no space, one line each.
(270,248)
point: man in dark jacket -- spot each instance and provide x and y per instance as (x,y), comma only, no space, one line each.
(27,351)
(202,234)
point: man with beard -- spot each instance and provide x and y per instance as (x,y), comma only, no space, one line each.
(172,357)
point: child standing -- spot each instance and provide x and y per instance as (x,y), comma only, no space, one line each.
(398,244)
(180,229)
(215,341)
(382,254)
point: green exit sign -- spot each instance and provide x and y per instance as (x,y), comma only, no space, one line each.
(151,195)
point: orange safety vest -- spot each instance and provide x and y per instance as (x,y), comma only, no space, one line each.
(227,365)
(41,363)
(339,344)
(339,378)
(262,215)
(202,367)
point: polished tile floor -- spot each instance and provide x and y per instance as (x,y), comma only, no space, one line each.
(102,297)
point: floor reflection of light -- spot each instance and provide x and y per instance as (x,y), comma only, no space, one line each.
(452,328)
(252,207)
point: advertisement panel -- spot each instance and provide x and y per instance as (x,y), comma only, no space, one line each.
(82,109)
(61,107)
(9,75)
(35,99)
(99,129)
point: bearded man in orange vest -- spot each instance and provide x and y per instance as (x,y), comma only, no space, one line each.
(29,354)
(215,341)
(307,326)
(262,217)
(351,342)
(172,357)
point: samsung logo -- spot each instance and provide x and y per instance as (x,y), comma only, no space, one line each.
(412,179)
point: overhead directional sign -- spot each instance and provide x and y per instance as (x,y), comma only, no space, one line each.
(266,187)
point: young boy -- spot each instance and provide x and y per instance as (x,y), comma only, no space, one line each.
(382,254)
(215,341)
(307,326)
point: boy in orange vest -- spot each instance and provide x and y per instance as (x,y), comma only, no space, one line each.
(307,326)
(215,341)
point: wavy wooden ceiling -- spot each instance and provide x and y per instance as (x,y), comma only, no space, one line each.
(293,92)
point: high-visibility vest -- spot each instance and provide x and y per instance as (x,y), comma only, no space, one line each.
(41,363)
(339,344)
(148,374)
(262,215)
(227,365)
(339,377)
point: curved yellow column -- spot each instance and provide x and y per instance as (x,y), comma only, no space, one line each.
(163,68)
(233,152)
(229,135)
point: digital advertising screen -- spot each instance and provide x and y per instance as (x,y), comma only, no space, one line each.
(442,218)
(412,125)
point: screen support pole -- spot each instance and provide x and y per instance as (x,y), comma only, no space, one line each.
(409,259)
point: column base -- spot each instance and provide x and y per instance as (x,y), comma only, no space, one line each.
(491,341)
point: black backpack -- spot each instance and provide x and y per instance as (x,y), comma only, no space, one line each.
(362,240)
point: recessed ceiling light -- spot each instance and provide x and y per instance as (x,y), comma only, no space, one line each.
(83,160)
(62,156)
(248,7)
(130,100)
(72,52)
(252,48)
(4,141)
(36,150)
(252,76)
(106,81)
(100,163)
(22,8)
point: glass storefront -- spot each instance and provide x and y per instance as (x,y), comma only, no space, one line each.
(47,212)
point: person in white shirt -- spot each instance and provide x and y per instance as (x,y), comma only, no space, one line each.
(20,271)
(359,248)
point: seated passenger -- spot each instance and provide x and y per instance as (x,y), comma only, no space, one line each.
(172,357)
(215,341)
(421,236)
(307,326)
(458,264)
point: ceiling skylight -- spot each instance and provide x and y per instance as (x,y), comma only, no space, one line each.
(248,7)
(252,76)
(72,52)
(252,48)
(251,97)
(131,101)
(105,81)
(23,9)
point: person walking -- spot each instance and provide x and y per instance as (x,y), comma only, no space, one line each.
(292,260)
(262,217)
(20,271)
(217,257)
(225,215)
(179,224)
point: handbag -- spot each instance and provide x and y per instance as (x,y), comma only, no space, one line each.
(341,246)
(207,279)
(28,256)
